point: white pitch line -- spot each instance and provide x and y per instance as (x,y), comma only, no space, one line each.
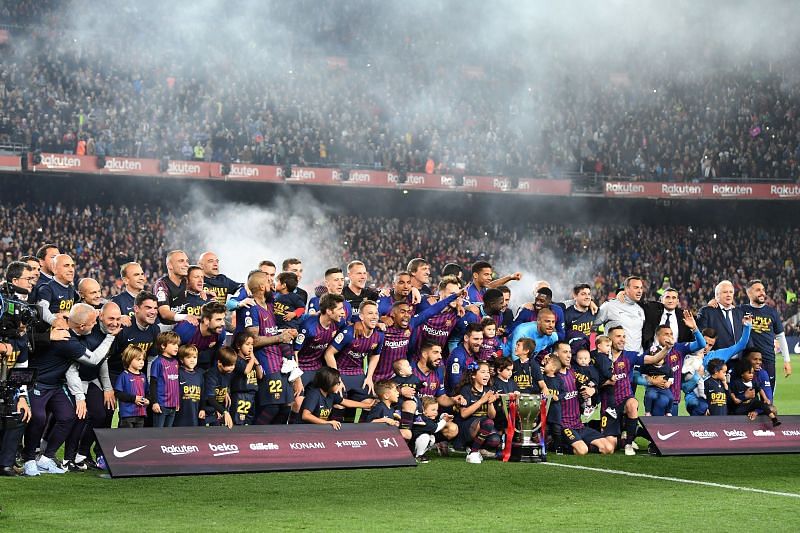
(677,480)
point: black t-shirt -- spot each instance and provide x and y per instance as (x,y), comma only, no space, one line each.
(319,405)
(355,299)
(716,396)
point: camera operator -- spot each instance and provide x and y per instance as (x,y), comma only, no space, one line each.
(14,353)
(48,396)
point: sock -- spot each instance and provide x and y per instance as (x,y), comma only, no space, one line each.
(422,444)
(630,429)
(486,429)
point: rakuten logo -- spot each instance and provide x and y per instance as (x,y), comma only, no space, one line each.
(183,168)
(223,449)
(785,191)
(114,164)
(704,434)
(53,161)
(731,190)
(681,189)
(183,449)
(359,177)
(241,171)
(301,174)
(624,188)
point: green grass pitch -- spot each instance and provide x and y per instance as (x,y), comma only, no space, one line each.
(445,495)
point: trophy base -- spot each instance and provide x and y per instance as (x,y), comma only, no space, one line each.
(527,454)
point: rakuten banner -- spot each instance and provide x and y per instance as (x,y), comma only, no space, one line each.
(202,450)
(707,191)
(722,435)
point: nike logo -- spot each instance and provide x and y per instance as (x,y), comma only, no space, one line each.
(126,453)
(797,348)
(131,340)
(668,435)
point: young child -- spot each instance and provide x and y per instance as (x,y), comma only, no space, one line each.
(131,388)
(404,377)
(527,372)
(491,346)
(165,396)
(603,345)
(386,410)
(217,389)
(289,306)
(555,385)
(657,400)
(747,397)
(191,381)
(475,418)
(322,395)
(761,376)
(426,426)
(716,388)
(586,375)
(503,381)
(244,382)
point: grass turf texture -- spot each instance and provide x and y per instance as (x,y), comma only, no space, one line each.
(446,494)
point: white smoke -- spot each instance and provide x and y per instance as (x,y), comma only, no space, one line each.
(242,235)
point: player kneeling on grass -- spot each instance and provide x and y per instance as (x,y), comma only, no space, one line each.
(475,417)
(746,395)
(322,395)
(581,439)
(217,389)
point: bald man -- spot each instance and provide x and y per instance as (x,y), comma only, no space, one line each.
(91,293)
(56,297)
(170,291)
(215,284)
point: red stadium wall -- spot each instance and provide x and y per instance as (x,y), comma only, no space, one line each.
(381,179)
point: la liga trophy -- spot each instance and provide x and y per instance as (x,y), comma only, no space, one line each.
(525,434)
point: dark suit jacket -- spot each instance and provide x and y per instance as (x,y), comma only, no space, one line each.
(709,317)
(652,319)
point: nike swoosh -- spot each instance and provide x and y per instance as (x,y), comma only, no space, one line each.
(126,453)
(797,348)
(668,435)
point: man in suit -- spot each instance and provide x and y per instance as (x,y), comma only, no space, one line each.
(664,311)
(725,317)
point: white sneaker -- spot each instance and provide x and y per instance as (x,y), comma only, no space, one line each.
(48,466)
(79,458)
(486,454)
(635,446)
(30,468)
(629,450)
(288,365)
(294,374)
(474,458)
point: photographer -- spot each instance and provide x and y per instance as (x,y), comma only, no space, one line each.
(14,354)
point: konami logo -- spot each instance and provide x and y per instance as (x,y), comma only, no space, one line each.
(307,445)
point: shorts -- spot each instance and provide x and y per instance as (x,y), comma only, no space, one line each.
(609,425)
(584,434)
(307,377)
(464,438)
(243,407)
(353,389)
(275,389)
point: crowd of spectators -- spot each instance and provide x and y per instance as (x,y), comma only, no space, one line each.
(685,257)
(62,92)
